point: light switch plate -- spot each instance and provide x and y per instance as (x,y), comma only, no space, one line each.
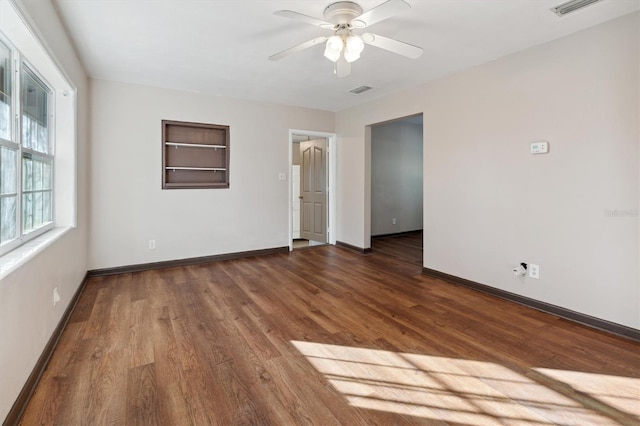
(282,176)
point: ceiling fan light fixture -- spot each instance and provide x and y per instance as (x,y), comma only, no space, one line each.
(335,44)
(353,47)
(332,55)
(345,47)
(351,56)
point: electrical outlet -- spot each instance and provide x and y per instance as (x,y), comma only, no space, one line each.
(534,271)
(152,244)
(282,176)
(393,221)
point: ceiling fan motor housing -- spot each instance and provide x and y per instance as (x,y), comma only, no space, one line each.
(342,12)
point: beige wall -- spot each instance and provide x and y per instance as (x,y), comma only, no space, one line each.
(489,204)
(130,207)
(295,154)
(27,315)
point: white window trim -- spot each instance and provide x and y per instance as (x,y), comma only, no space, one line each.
(24,35)
(13,260)
(19,62)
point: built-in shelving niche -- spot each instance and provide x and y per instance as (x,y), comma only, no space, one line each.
(194,155)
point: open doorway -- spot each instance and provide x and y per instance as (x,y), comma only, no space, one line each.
(396,182)
(312,193)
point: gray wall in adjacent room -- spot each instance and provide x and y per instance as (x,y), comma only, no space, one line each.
(396,177)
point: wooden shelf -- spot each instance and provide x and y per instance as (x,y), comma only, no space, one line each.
(195,145)
(194,155)
(214,169)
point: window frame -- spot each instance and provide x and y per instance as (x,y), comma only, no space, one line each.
(18,65)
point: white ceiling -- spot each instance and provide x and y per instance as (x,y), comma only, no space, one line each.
(221,46)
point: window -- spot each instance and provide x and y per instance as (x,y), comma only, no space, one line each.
(26,151)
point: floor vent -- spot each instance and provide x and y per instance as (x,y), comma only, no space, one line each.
(572,6)
(360,89)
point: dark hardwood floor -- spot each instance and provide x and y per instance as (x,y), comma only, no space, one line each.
(406,247)
(325,336)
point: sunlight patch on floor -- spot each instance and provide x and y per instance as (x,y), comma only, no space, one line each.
(468,391)
(621,393)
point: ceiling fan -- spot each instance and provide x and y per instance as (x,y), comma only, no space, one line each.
(345,46)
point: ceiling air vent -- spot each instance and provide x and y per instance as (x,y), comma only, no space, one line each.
(360,89)
(572,6)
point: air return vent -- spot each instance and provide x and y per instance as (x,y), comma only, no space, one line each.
(360,89)
(572,6)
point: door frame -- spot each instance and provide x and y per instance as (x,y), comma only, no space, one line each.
(368,171)
(332,156)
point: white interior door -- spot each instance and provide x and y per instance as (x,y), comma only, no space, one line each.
(313,190)
(295,200)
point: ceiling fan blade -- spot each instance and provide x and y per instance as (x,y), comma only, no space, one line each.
(380,13)
(395,46)
(343,68)
(298,48)
(304,18)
